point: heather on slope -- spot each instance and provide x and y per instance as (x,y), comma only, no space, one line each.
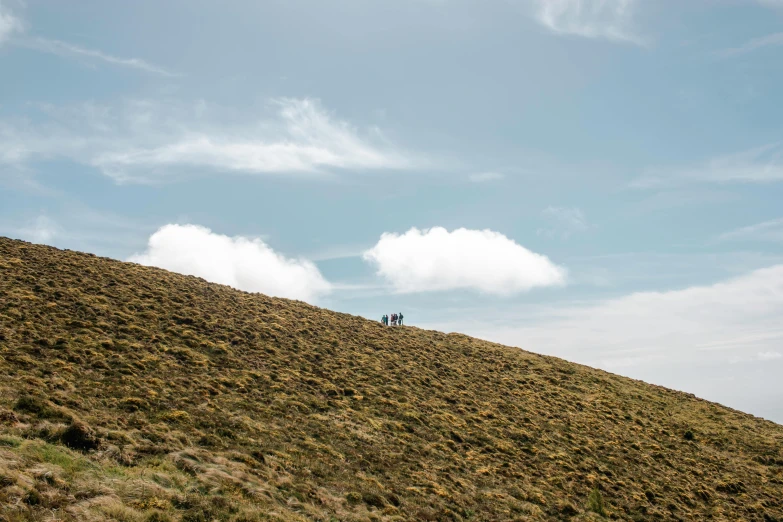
(131,393)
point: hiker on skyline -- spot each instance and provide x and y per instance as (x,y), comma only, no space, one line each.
(399,319)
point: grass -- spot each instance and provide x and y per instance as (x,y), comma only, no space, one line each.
(132,393)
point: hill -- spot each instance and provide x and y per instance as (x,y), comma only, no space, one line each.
(135,394)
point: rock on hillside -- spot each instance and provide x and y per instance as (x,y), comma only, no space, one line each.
(132,393)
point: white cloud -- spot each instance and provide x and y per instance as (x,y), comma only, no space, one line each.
(607,19)
(66,49)
(766,231)
(770,40)
(769,356)
(245,263)
(566,221)
(436,259)
(146,141)
(9,24)
(483,177)
(758,165)
(42,230)
(689,324)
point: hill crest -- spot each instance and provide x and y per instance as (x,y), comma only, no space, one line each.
(132,393)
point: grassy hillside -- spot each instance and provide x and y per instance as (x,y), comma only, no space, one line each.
(131,393)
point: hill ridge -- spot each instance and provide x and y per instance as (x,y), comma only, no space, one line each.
(133,393)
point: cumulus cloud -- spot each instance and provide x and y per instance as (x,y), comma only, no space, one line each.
(566,221)
(9,24)
(245,263)
(762,164)
(606,19)
(146,141)
(484,177)
(435,259)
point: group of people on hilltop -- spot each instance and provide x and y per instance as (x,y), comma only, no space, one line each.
(396,319)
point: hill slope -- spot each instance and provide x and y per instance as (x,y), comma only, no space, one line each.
(131,393)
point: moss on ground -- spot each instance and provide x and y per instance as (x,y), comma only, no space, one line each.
(135,394)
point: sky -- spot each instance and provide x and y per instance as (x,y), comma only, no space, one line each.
(595,180)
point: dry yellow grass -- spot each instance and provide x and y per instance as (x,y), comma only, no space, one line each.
(134,394)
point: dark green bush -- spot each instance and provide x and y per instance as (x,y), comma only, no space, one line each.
(595,502)
(80,436)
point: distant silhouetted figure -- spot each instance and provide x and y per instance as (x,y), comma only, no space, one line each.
(394,319)
(399,319)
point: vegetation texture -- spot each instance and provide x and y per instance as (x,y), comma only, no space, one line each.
(134,394)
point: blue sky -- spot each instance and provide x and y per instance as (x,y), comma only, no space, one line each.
(601,181)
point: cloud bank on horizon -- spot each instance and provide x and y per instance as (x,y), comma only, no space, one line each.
(736,320)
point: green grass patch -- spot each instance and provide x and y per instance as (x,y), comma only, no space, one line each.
(9,441)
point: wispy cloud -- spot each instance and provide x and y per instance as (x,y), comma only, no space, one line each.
(9,24)
(66,49)
(766,231)
(437,260)
(147,141)
(759,165)
(241,262)
(605,19)
(770,40)
(566,221)
(485,177)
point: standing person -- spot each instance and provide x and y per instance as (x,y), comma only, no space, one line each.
(399,319)
(386,319)
(383,319)
(394,319)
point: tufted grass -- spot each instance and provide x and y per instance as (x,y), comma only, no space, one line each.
(132,393)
